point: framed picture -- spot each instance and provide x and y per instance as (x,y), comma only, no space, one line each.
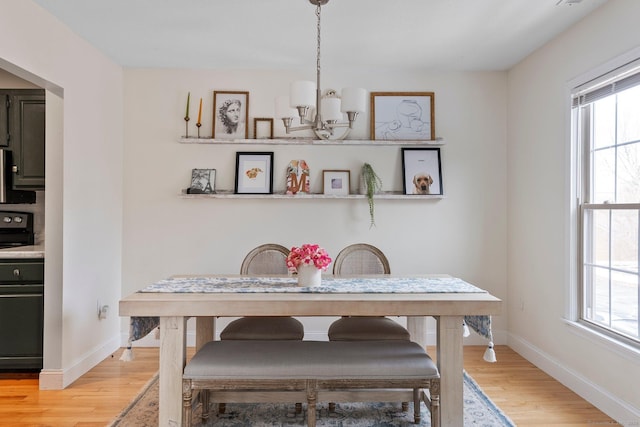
(203,181)
(254,173)
(402,116)
(335,182)
(422,171)
(262,128)
(230,115)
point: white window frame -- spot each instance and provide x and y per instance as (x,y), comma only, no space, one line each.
(575,176)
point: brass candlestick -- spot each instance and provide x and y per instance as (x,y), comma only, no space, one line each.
(198,126)
(186,127)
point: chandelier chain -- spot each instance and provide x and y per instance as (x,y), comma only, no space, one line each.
(318,48)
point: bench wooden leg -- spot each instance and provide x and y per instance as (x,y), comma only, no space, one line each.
(222,407)
(186,403)
(416,405)
(204,399)
(312,396)
(434,404)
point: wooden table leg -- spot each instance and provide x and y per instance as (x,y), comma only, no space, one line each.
(172,362)
(205,330)
(450,365)
(417,327)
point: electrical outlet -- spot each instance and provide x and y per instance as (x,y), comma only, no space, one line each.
(103,310)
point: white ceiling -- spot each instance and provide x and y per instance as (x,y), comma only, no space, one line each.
(273,34)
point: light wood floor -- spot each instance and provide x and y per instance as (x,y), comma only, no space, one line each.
(526,394)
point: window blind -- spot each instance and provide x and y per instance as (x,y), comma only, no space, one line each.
(611,83)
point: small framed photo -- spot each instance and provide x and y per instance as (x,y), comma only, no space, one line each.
(254,173)
(203,181)
(403,116)
(335,182)
(230,115)
(422,171)
(262,128)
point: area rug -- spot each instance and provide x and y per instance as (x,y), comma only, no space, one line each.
(479,410)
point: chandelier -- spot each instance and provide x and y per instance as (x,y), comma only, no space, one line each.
(329,108)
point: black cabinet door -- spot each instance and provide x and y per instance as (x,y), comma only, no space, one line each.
(4,119)
(27,140)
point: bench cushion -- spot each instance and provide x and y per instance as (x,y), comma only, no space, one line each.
(262,359)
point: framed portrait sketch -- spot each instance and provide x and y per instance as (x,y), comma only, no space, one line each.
(335,182)
(254,173)
(402,116)
(422,171)
(230,115)
(203,181)
(262,128)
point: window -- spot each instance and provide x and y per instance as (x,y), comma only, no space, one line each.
(606,131)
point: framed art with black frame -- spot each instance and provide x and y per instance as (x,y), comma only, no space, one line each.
(254,172)
(403,116)
(230,114)
(422,171)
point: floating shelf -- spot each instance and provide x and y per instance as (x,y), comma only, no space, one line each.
(303,141)
(388,195)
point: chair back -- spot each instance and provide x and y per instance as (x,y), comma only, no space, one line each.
(361,258)
(269,258)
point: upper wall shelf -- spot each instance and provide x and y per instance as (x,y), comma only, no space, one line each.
(302,141)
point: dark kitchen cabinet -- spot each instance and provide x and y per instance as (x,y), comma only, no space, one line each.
(22,131)
(21,314)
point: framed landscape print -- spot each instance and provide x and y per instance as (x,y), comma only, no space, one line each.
(230,115)
(254,173)
(422,171)
(402,116)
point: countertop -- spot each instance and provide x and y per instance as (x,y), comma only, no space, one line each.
(36,251)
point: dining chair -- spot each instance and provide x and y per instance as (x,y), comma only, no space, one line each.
(267,259)
(362,258)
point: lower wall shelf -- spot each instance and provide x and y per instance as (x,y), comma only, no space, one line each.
(226,194)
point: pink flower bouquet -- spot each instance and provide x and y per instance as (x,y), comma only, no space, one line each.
(308,254)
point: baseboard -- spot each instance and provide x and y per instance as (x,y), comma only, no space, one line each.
(611,405)
(58,379)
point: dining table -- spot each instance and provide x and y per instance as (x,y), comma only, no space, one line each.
(453,302)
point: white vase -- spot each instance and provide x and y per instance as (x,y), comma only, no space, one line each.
(309,275)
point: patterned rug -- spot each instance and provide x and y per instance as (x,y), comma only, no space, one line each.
(479,410)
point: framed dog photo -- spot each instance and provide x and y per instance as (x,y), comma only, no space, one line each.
(254,173)
(203,181)
(422,171)
(336,182)
(230,115)
(403,116)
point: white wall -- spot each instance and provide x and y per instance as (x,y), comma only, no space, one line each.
(83,208)
(463,234)
(538,194)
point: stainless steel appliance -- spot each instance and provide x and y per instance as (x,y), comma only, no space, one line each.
(8,194)
(16,229)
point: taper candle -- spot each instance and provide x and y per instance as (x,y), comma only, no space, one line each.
(200,113)
(186,115)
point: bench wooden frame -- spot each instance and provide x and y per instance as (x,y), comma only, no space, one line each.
(334,387)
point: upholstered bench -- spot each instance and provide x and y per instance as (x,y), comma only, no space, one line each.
(311,371)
